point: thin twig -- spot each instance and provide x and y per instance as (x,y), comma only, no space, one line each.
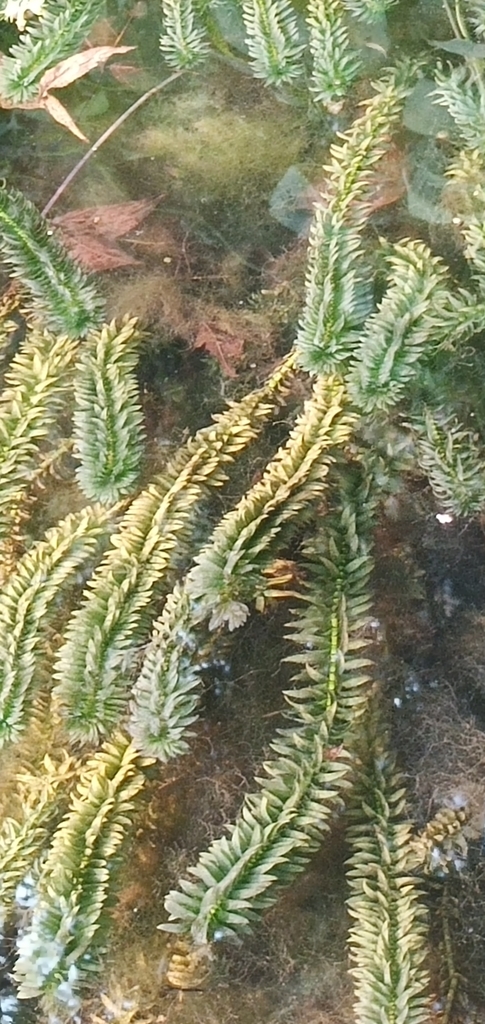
(105,136)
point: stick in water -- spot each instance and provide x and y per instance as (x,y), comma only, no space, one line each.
(105,136)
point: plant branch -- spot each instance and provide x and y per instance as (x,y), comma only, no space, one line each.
(104,138)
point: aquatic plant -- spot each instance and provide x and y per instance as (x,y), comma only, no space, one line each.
(229,568)
(77,876)
(276,42)
(369,10)
(399,333)
(166,692)
(453,463)
(56,34)
(229,571)
(107,415)
(18,11)
(91,686)
(282,823)
(334,63)
(27,598)
(228,158)
(273,40)
(59,291)
(337,299)
(459,92)
(37,382)
(184,41)
(475,13)
(392,354)
(388,939)
(22,840)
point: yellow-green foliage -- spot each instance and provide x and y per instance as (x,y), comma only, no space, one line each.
(183,42)
(226,156)
(275,45)
(334,65)
(399,334)
(282,822)
(452,461)
(91,671)
(388,939)
(224,153)
(107,415)
(60,294)
(42,797)
(229,568)
(37,384)
(77,876)
(26,603)
(337,296)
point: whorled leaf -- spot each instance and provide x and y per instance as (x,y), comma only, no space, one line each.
(60,293)
(107,415)
(283,821)
(77,877)
(27,600)
(91,672)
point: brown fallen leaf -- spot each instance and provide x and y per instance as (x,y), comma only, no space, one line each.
(226,348)
(388,182)
(78,65)
(89,234)
(112,220)
(58,112)
(58,77)
(126,74)
(97,254)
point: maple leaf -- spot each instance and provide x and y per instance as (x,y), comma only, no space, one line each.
(89,234)
(58,77)
(225,347)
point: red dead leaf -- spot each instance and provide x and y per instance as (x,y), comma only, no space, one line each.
(97,254)
(112,221)
(225,347)
(89,234)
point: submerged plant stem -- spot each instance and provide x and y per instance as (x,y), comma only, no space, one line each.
(104,138)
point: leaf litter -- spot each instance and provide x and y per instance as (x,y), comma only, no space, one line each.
(60,76)
(90,234)
(227,348)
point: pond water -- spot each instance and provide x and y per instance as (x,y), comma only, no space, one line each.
(194,217)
